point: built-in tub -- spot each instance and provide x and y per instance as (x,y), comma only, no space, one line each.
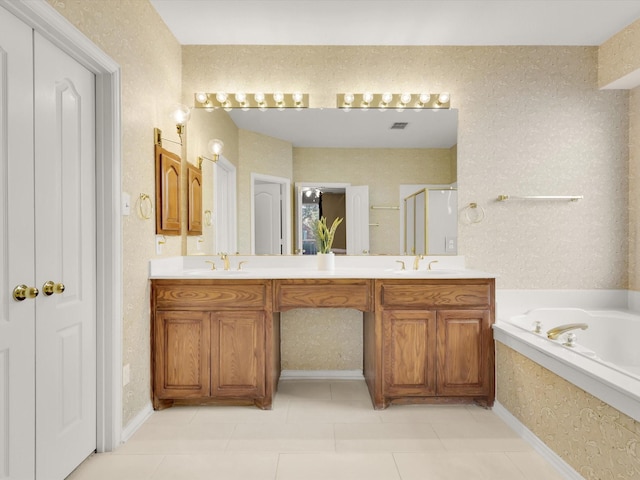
(605,360)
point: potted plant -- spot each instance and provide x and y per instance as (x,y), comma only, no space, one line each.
(324,239)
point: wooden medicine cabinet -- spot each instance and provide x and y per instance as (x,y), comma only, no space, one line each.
(194,200)
(167,192)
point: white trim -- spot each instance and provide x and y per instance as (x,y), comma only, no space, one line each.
(538,445)
(43,18)
(136,422)
(633,301)
(285,184)
(321,375)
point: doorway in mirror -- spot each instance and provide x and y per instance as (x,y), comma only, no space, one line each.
(270,215)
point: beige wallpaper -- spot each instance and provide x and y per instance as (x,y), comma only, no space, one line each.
(620,55)
(598,441)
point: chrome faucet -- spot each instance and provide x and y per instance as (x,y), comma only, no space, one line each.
(555,332)
(416,261)
(225,259)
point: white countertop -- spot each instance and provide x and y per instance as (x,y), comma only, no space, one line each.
(300,267)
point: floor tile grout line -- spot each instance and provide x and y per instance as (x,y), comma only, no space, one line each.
(395,462)
(157,469)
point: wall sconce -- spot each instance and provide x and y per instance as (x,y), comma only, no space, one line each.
(246,101)
(214,147)
(387,100)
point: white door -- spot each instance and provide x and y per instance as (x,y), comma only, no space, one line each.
(47,232)
(17,263)
(357,213)
(267,218)
(65,254)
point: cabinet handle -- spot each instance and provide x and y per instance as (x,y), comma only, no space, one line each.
(22,292)
(49,288)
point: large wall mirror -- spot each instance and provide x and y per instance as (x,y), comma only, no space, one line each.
(394,154)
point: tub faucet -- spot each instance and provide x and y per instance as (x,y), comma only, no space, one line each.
(555,332)
(416,261)
(225,259)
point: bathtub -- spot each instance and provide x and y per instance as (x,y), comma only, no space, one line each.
(604,361)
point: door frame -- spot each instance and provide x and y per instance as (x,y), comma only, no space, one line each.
(286,214)
(44,19)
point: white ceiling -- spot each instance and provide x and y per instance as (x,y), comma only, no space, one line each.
(396,22)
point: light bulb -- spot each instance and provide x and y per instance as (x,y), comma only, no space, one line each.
(259,98)
(443,98)
(405,98)
(221,97)
(215,146)
(367,98)
(278,97)
(297,97)
(180,114)
(348,99)
(202,97)
(387,97)
(241,98)
(424,98)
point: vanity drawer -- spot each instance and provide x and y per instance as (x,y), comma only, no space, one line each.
(335,293)
(211,295)
(434,294)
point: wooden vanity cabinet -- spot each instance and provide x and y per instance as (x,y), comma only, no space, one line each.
(437,341)
(210,341)
(424,340)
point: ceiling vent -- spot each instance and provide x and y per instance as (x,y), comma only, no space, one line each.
(399,125)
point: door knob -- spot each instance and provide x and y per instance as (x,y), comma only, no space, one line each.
(22,291)
(49,288)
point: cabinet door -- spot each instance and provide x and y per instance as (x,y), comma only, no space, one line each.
(194,201)
(409,352)
(181,354)
(167,192)
(238,354)
(465,353)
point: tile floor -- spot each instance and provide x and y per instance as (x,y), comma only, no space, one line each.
(321,430)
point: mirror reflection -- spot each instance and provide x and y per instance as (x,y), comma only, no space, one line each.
(391,154)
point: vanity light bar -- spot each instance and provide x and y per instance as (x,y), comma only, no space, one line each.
(262,101)
(384,101)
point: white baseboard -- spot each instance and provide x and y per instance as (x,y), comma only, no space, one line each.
(136,422)
(321,375)
(538,445)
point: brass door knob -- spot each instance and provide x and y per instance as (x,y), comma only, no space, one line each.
(22,292)
(49,288)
